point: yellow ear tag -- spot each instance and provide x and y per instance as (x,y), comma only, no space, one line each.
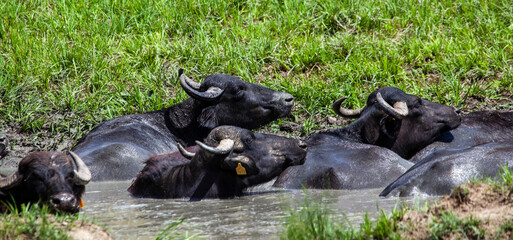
(81,203)
(240,169)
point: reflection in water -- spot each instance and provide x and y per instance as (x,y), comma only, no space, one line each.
(256,216)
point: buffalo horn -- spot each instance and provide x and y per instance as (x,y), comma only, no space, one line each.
(192,88)
(399,110)
(350,113)
(185,153)
(82,173)
(10,181)
(224,147)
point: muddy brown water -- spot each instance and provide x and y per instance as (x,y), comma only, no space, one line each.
(259,215)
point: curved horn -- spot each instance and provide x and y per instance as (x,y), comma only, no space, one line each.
(350,113)
(399,110)
(192,88)
(11,181)
(82,173)
(185,153)
(224,147)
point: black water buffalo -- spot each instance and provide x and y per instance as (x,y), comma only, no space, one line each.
(116,149)
(359,155)
(476,128)
(53,178)
(440,172)
(230,160)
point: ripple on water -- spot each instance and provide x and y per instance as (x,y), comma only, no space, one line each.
(256,216)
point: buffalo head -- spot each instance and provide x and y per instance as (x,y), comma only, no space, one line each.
(399,121)
(229,160)
(255,157)
(54,178)
(231,101)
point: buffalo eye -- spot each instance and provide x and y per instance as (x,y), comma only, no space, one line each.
(69,177)
(238,150)
(249,140)
(50,173)
(418,103)
(238,91)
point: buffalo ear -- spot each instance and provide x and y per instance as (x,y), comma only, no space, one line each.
(241,165)
(391,127)
(370,132)
(208,118)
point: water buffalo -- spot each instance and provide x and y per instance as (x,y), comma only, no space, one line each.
(440,172)
(230,160)
(116,149)
(363,154)
(53,178)
(476,128)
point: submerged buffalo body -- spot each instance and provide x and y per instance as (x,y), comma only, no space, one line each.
(336,163)
(230,160)
(476,128)
(53,178)
(116,149)
(369,153)
(440,172)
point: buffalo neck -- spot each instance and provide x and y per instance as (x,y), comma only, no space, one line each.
(181,120)
(353,132)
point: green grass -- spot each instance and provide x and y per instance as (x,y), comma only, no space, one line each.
(447,224)
(171,232)
(35,222)
(312,220)
(38,221)
(88,61)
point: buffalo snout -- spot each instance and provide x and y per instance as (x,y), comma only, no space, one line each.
(284,99)
(64,202)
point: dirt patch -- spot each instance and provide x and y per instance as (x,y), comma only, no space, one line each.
(88,231)
(479,208)
(19,144)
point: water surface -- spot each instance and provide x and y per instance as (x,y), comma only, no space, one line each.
(259,215)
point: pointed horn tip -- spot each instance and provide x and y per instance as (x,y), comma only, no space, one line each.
(224,147)
(82,173)
(180,72)
(340,100)
(185,153)
(10,181)
(399,110)
(350,113)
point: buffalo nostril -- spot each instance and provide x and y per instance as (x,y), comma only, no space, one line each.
(64,201)
(289,99)
(457,111)
(56,201)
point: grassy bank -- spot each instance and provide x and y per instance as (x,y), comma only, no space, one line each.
(33,222)
(480,209)
(67,65)
(38,222)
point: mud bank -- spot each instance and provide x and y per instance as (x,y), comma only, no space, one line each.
(473,211)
